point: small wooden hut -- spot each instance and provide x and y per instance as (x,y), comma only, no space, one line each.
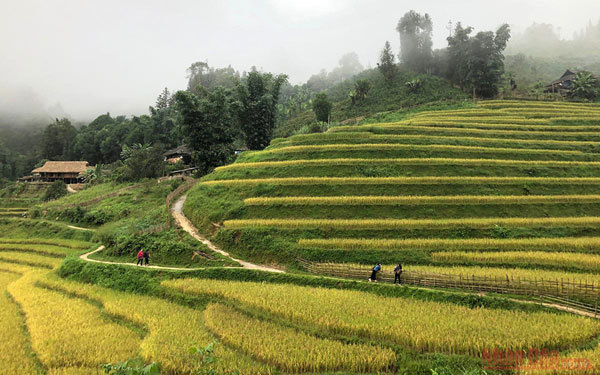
(564,84)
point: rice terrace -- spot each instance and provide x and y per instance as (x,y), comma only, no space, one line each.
(434,213)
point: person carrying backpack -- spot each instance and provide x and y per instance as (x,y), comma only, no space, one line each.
(140,258)
(146,256)
(376,269)
(397,273)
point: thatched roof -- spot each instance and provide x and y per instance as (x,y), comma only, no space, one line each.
(63,167)
(181,150)
(568,75)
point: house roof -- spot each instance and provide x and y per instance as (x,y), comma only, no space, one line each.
(567,76)
(181,150)
(62,167)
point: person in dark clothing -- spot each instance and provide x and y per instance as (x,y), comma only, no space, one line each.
(140,258)
(397,273)
(146,256)
(376,269)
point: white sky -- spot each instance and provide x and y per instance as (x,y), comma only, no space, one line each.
(97,56)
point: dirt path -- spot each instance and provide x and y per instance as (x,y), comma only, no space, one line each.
(188,227)
(87,259)
(559,307)
(177,211)
(79,228)
(70,189)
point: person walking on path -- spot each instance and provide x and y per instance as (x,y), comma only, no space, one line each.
(376,269)
(140,258)
(397,273)
(146,256)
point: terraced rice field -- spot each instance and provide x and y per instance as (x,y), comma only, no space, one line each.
(504,184)
(53,326)
(12,211)
(509,190)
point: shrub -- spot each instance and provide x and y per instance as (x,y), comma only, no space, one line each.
(55,191)
(321,107)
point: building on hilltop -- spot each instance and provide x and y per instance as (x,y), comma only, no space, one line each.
(71,172)
(181,153)
(564,84)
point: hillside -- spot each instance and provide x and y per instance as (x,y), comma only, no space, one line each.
(382,97)
(505,190)
(506,184)
(126,217)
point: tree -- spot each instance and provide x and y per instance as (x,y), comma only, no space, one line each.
(207,127)
(458,50)
(585,86)
(56,190)
(164,100)
(348,65)
(415,40)
(141,161)
(57,140)
(361,89)
(414,85)
(202,76)
(386,64)
(321,107)
(257,102)
(477,63)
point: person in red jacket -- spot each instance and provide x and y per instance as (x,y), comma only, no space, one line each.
(140,258)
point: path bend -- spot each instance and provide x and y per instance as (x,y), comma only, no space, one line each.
(186,225)
(87,259)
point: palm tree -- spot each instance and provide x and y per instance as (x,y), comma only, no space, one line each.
(585,86)
(362,87)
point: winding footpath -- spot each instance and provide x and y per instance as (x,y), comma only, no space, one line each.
(177,211)
(185,224)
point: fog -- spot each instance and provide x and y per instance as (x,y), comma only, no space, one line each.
(84,58)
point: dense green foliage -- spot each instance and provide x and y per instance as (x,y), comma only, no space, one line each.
(258,96)
(383,98)
(206,123)
(321,106)
(203,77)
(58,140)
(55,191)
(140,162)
(476,63)
(585,86)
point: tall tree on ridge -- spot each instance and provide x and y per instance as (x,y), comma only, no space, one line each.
(57,140)
(206,124)
(477,63)
(258,95)
(386,64)
(415,40)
